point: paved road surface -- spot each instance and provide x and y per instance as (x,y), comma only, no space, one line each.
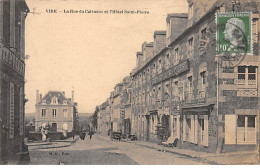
(101,151)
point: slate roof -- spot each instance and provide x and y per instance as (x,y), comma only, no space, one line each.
(60,96)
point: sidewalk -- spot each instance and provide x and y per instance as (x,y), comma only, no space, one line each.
(234,158)
(53,144)
(241,157)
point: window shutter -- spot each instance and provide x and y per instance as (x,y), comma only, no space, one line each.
(184,128)
(206,130)
(192,129)
(171,125)
(178,126)
(196,129)
(230,129)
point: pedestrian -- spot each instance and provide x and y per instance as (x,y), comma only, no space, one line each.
(82,135)
(73,134)
(91,132)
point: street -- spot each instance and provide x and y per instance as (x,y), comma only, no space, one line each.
(101,151)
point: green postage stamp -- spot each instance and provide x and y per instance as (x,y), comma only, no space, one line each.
(234,32)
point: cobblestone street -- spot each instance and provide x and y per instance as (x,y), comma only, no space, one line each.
(100,150)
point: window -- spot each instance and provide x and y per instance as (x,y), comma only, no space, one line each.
(159,66)
(190,84)
(159,94)
(255,29)
(176,53)
(203,33)
(167,61)
(181,90)
(65,113)
(148,74)
(190,12)
(203,79)
(175,91)
(54,112)
(43,112)
(247,76)
(54,100)
(153,96)
(190,47)
(246,132)
(154,70)
(143,98)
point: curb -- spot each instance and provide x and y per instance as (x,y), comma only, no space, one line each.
(198,158)
(61,146)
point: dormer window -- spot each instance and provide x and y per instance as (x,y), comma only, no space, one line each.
(176,54)
(190,11)
(54,100)
(190,47)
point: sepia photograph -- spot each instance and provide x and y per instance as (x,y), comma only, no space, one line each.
(129,82)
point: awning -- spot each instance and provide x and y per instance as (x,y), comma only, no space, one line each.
(205,107)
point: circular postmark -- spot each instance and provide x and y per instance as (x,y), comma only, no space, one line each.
(233,38)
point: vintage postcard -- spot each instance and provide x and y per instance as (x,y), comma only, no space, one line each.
(140,82)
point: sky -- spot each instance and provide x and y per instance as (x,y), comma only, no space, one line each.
(86,52)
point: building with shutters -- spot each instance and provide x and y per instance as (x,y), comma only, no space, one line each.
(178,83)
(55,111)
(12,72)
(180,86)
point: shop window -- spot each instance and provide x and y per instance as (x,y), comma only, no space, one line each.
(188,129)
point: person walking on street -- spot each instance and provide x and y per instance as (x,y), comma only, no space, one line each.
(91,132)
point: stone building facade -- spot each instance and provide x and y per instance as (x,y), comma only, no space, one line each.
(179,83)
(55,111)
(12,72)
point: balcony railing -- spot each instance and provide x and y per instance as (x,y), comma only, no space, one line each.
(11,59)
(173,71)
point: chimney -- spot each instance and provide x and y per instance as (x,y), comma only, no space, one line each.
(40,96)
(37,96)
(176,24)
(139,59)
(159,41)
(63,92)
(198,8)
(147,49)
